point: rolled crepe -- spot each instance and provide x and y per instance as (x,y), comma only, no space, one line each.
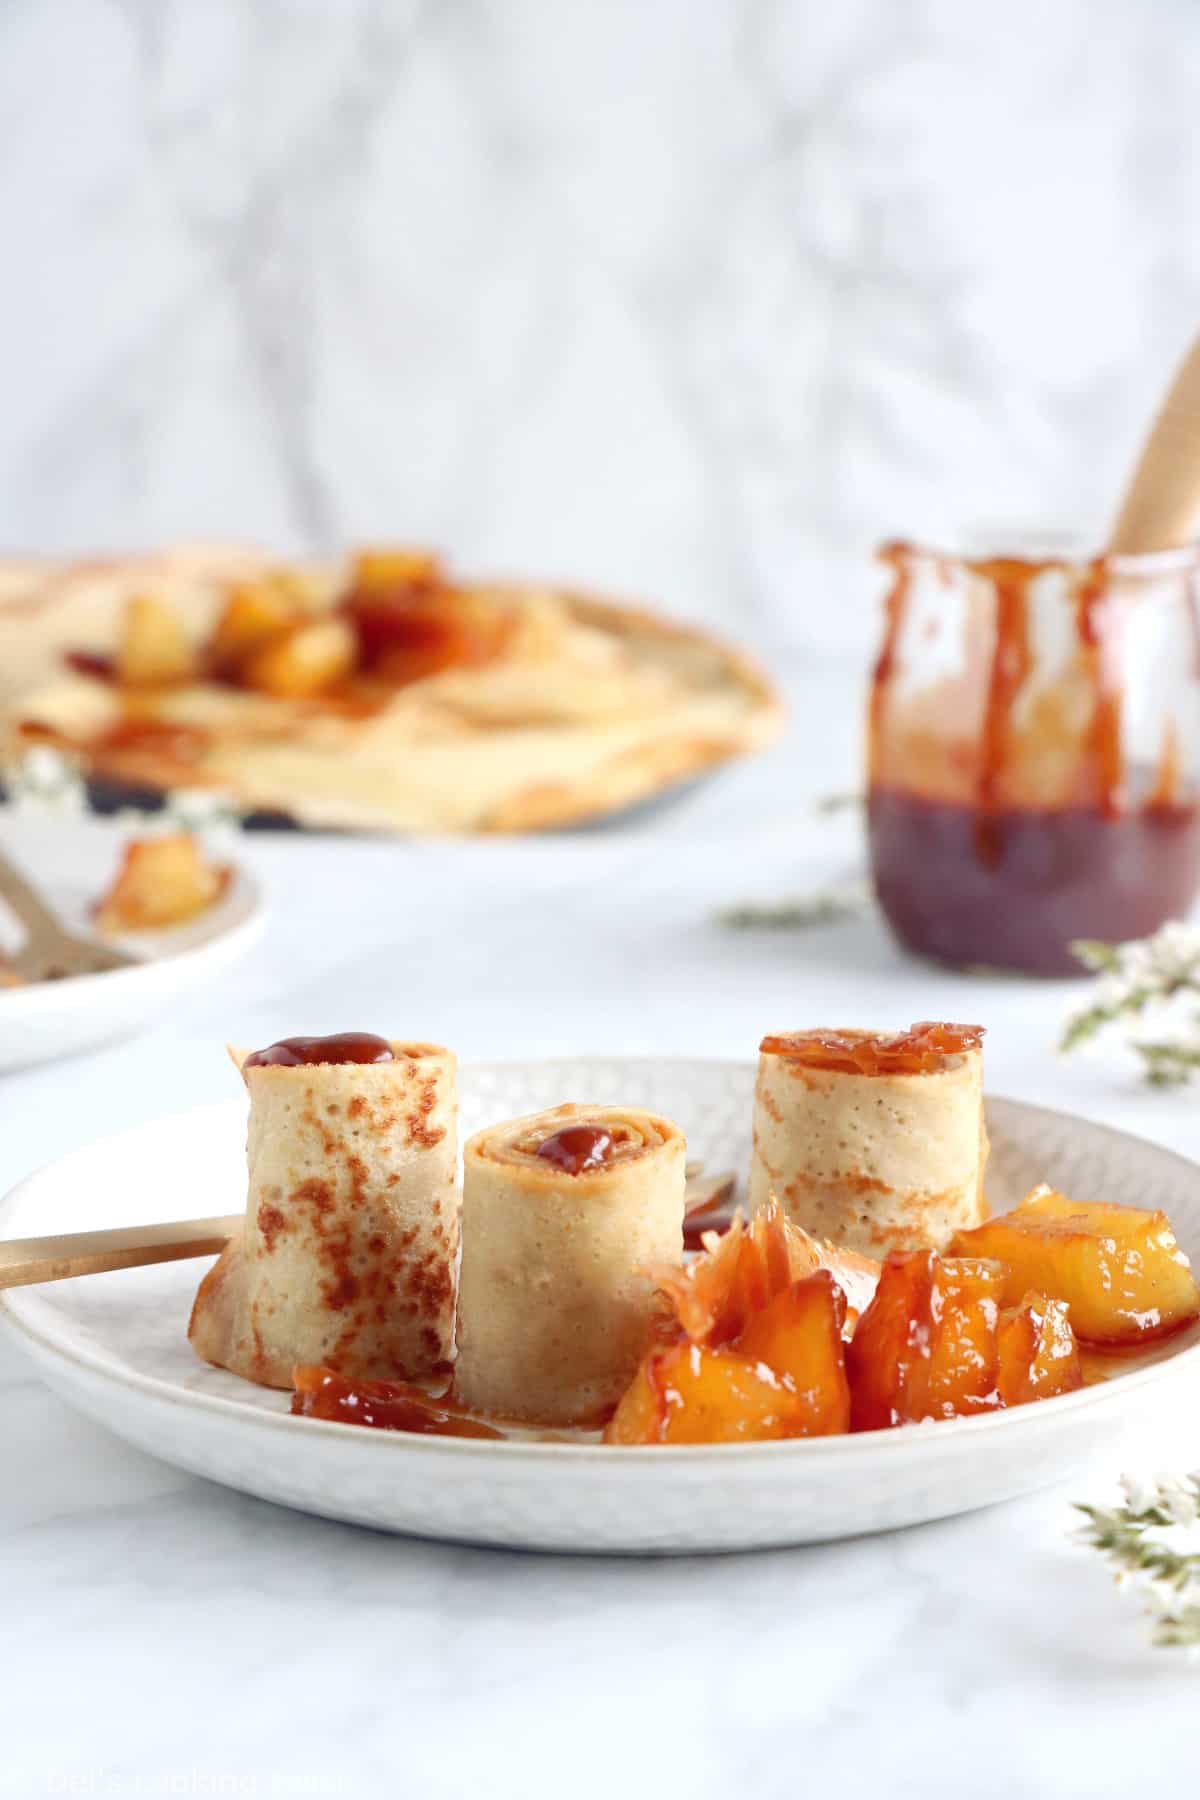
(347,1255)
(876,1142)
(555,1307)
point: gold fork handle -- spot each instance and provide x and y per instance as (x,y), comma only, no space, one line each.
(24,1261)
(39,920)
(48,943)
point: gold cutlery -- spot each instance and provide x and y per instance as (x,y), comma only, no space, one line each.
(50,951)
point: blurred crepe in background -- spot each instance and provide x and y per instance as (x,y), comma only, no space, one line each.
(376,694)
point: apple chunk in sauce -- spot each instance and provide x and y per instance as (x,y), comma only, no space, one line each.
(1119,1269)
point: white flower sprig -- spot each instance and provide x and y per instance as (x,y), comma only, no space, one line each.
(1140,986)
(1167,1578)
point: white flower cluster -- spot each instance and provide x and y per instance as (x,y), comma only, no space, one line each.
(1141,984)
(1130,1537)
(1176,1495)
(1154,966)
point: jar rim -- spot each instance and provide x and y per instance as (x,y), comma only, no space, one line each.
(1143,565)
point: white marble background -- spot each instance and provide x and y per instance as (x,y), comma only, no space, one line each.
(695,298)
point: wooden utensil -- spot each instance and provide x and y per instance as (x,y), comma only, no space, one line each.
(1161,509)
(50,951)
(24,1261)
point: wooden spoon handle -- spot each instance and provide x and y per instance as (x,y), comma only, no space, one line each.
(26,1260)
(1161,510)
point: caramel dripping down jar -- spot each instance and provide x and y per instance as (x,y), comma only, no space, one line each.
(1033,741)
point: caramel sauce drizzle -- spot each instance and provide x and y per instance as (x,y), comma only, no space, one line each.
(337,1047)
(921,1050)
(896,606)
(1012,664)
(321,1393)
(1096,624)
(1168,777)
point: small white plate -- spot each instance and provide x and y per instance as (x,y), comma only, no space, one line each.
(72,865)
(114,1345)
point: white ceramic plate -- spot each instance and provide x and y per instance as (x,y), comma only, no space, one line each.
(72,865)
(114,1345)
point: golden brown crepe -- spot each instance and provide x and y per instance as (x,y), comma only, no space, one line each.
(877,1158)
(347,1256)
(555,1304)
(583,708)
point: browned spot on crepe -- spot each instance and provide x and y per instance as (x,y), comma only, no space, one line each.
(430,1284)
(318,1195)
(309,1116)
(852,1181)
(769,1105)
(420,1131)
(270,1222)
(358,1182)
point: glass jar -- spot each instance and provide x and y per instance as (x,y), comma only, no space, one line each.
(1034,737)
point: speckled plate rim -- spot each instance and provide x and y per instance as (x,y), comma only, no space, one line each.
(1169,1358)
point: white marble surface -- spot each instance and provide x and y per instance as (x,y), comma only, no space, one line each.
(695,300)
(160,1635)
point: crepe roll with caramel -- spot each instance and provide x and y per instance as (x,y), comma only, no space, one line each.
(875,1141)
(562,1214)
(347,1254)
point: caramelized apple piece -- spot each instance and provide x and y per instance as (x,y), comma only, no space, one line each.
(738,1272)
(1119,1269)
(642,1409)
(857,1275)
(387,571)
(799,1338)
(1038,1355)
(154,648)
(690,1395)
(406,636)
(304,662)
(161,881)
(411,623)
(926,1346)
(254,613)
